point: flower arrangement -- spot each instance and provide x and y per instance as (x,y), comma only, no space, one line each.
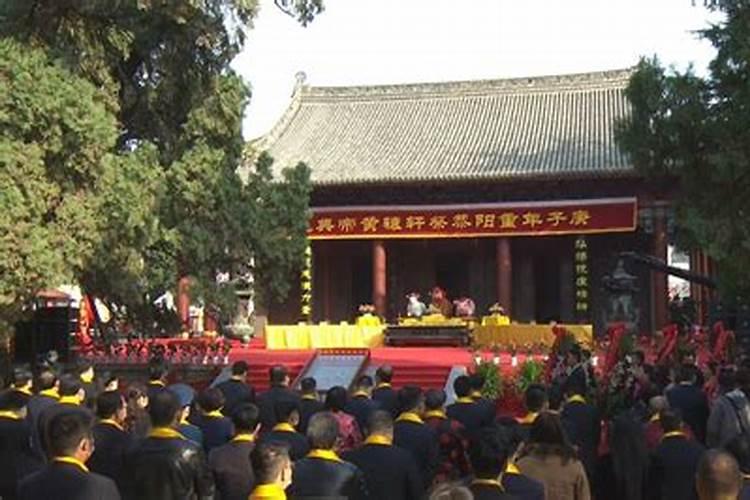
(530,372)
(493,382)
(366,309)
(496,308)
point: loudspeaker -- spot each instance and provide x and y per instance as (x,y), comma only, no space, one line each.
(48,329)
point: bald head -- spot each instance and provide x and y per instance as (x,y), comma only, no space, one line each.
(718,476)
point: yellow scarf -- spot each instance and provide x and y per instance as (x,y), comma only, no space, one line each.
(512,469)
(465,401)
(72,461)
(50,393)
(23,390)
(243,438)
(213,414)
(10,414)
(109,421)
(87,378)
(410,417)
(268,492)
(528,418)
(284,427)
(157,383)
(576,398)
(435,414)
(361,394)
(70,400)
(476,395)
(165,433)
(310,397)
(673,434)
(324,455)
(654,418)
(383,385)
(378,439)
(488,482)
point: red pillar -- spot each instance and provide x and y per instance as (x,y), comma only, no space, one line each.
(183,301)
(504,274)
(379,282)
(659,279)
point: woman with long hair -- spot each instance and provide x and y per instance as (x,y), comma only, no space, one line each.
(622,473)
(138,422)
(350,435)
(549,458)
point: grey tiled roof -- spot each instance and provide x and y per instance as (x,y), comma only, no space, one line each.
(544,127)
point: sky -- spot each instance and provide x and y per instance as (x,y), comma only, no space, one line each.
(367,42)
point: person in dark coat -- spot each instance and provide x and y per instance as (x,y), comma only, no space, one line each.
(488,454)
(273,470)
(16,458)
(467,411)
(158,373)
(165,465)
(322,474)
(536,401)
(309,404)
(186,395)
(674,462)
(390,472)
(513,480)
(582,423)
(66,476)
(477,381)
(454,461)
(622,474)
(88,380)
(718,476)
(230,463)
(217,429)
(46,394)
(279,391)
(691,402)
(23,382)
(236,390)
(285,431)
(112,442)
(72,396)
(361,405)
(383,392)
(411,434)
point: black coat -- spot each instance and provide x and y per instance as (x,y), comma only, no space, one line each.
(37,404)
(473,416)
(673,467)
(693,406)
(387,398)
(267,404)
(361,407)
(322,478)
(235,393)
(422,442)
(216,431)
(46,416)
(16,459)
(62,481)
(232,470)
(111,445)
(582,423)
(307,408)
(489,492)
(167,469)
(390,472)
(298,445)
(522,486)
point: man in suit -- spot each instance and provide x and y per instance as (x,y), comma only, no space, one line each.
(47,394)
(383,392)
(66,476)
(230,463)
(285,431)
(471,415)
(488,455)
(72,396)
(216,428)
(674,462)
(361,405)
(112,442)
(165,465)
(390,472)
(582,423)
(476,382)
(236,390)
(16,458)
(273,469)
(279,391)
(309,404)
(690,400)
(411,434)
(718,476)
(454,461)
(158,373)
(322,474)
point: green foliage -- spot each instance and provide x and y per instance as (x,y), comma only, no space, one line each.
(493,382)
(530,372)
(690,136)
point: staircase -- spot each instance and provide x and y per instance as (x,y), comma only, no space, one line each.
(257,376)
(426,377)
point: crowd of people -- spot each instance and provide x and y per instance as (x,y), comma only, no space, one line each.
(682,434)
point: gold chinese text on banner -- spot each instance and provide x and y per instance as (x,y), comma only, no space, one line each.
(471,221)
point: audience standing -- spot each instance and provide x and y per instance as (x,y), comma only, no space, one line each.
(383,393)
(361,405)
(230,464)
(454,461)
(310,403)
(111,440)
(411,434)
(350,435)
(236,390)
(285,431)
(279,391)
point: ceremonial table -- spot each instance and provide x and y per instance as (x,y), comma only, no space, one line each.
(520,334)
(322,336)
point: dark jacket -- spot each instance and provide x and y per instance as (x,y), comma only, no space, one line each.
(36,406)
(153,386)
(307,408)
(63,481)
(471,415)
(16,459)
(390,472)
(454,461)
(387,398)
(216,430)
(46,416)
(191,432)
(235,393)
(167,469)
(693,406)
(232,470)
(323,478)
(673,467)
(298,445)
(522,486)
(111,445)
(422,442)
(361,407)
(267,404)
(490,492)
(582,423)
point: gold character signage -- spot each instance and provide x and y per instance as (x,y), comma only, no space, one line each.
(306,285)
(471,221)
(581,263)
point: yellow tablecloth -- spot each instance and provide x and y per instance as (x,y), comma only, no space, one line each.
(520,334)
(323,336)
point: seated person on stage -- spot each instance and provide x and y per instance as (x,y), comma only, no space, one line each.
(273,469)
(66,477)
(488,455)
(383,392)
(411,434)
(390,472)
(279,391)
(230,463)
(216,428)
(185,394)
(439,303)
(112,442)
(322,474)
(285,431)
(454,462)
(361,405)
(16,458)
(471,415)
(309,404)
(236,390)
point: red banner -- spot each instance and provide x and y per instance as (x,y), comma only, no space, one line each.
(472,221)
